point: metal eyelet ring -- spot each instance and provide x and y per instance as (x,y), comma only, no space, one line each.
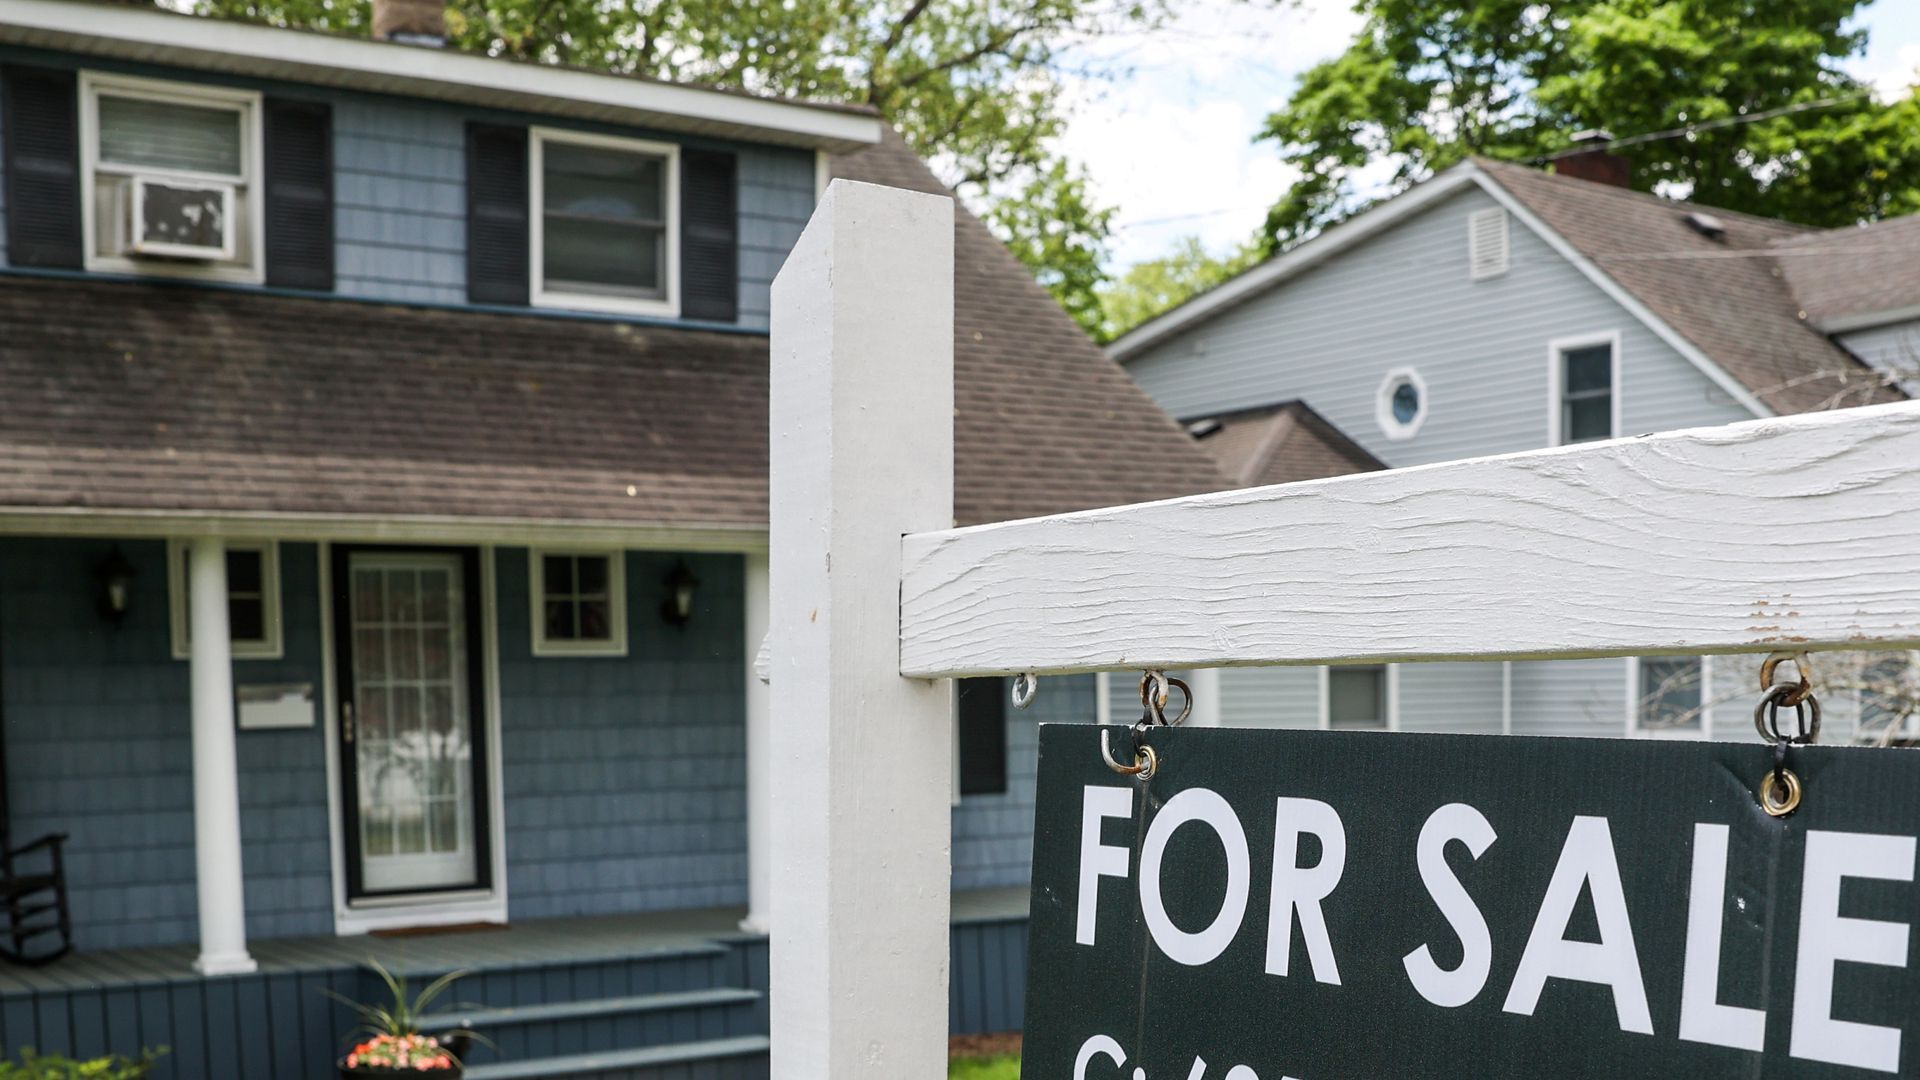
(1780,792)
(1806,712)
(1145,762)
(1025,686)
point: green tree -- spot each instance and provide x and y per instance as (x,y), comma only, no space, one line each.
(1158,285)
(1426,83)
(974,87)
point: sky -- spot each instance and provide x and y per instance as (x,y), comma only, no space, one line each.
(1171,144)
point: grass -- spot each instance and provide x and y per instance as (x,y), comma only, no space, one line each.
(1001,1067)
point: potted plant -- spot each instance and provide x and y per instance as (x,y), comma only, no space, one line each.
(389,1041)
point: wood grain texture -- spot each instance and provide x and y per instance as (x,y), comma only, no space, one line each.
(1799,532)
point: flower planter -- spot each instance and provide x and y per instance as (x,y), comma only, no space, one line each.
(364,1071)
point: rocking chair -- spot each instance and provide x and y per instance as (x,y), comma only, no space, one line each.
(35,903)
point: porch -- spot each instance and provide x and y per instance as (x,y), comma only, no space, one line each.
(610,995)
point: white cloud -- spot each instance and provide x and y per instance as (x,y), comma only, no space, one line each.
(1168,140)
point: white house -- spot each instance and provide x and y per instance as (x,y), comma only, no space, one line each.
(1501,308)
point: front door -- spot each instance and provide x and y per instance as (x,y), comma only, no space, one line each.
(413,767)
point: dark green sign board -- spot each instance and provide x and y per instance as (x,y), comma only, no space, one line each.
(1360,906)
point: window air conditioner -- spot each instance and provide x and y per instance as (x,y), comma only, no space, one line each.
(181,219)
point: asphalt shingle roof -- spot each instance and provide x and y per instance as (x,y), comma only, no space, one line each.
(1281,444)
(1729,296)
(1852,272)
(154,397)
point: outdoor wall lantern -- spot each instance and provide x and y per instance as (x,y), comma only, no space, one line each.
(677,608)
(114,575)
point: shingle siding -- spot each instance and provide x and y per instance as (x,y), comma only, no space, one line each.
(99,745)
(626,776)
(1405,298)
(993,834)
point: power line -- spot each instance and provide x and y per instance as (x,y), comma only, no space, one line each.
(1708,125)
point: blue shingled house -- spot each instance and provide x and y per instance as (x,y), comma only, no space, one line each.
(383,457)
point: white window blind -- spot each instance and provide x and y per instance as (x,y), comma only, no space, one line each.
(1487,245)
(141,133)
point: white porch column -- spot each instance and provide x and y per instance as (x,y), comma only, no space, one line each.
(862,452)
(216,777)
(759,755)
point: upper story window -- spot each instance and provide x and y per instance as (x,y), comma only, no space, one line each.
(253,599)
(605,228)
(1585,378)
(170,178)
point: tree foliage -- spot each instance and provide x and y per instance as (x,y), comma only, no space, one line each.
(1159,285)
(974,87)
(1427,83)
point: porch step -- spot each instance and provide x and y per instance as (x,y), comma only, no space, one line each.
(739,1058)
(593,1026)
(484,1020)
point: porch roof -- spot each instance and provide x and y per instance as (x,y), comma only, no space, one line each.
(136,398)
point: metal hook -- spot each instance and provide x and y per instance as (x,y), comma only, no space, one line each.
(1025,686)
(1155,689)
(1145,761)
(1801,666)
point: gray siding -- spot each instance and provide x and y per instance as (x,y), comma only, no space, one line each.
(98,742)
(1570,697)
(1893,347)
(776,198)
(993,834)
(1450,697)
(626,776)
(1403,299)
(1269,697)
(400,209)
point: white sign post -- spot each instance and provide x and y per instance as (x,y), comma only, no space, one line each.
(862,761)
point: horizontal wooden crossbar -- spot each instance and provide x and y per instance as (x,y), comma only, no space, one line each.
(1798,532)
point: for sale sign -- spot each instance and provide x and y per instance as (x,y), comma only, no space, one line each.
(1359,906)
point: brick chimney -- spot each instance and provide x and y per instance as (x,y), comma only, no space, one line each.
(1591,160)
(411,22)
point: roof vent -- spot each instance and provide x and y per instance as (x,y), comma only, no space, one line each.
(1488,247)
(1200,429)
(1706,225)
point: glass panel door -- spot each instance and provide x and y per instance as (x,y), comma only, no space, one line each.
(410,734)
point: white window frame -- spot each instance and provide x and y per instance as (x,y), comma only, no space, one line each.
(1390,425)
(271,647)
(1557,350)
(616,643)
(246,103)
(667,307)
(1634,696)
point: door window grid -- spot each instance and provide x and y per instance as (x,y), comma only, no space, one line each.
(414,756)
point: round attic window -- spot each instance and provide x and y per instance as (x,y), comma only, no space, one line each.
(1401,406)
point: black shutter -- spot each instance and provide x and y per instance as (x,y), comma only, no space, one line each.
(709,236)
(982,707)
(40,125)
(496,214)
(299,194)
